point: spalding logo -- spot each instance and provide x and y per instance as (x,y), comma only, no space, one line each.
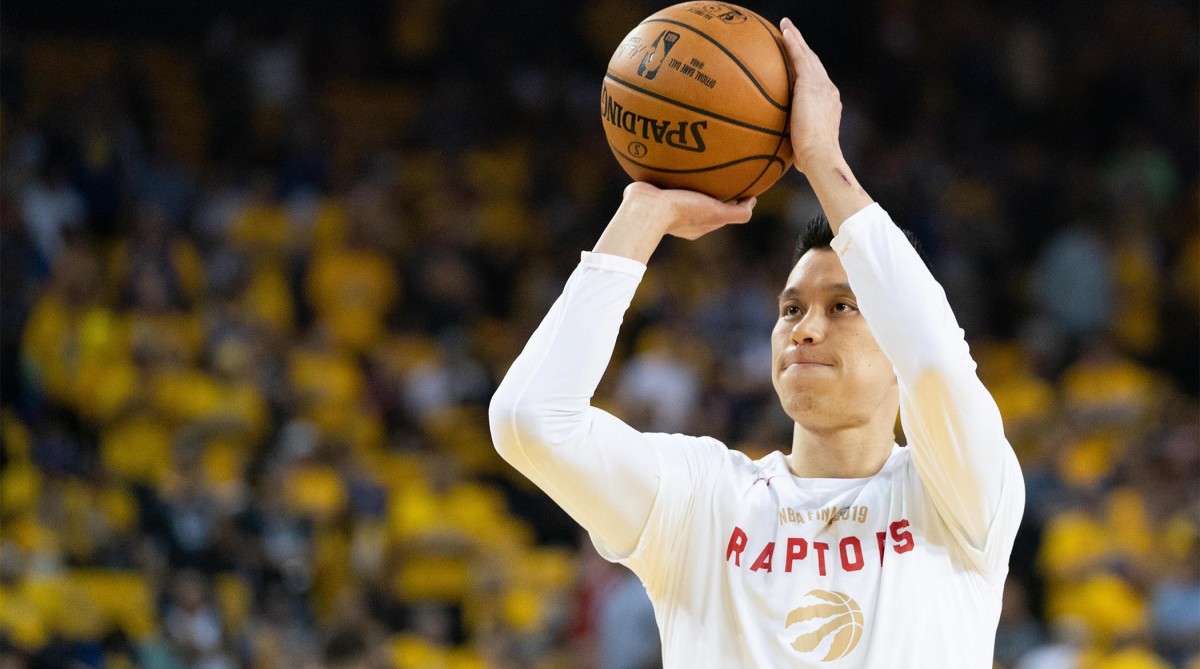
(835,617)
(686,135)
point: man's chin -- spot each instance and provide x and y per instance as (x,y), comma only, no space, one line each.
(821,416)
(806,400)
(799,381)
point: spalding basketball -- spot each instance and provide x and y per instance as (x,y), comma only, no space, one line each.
(697,97)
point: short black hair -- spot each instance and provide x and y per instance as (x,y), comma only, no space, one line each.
(817,234)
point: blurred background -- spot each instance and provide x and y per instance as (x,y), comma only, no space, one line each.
(264,263)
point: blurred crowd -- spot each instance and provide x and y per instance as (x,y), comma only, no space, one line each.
(263,267)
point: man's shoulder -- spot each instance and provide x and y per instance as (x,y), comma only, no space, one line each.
(706,453)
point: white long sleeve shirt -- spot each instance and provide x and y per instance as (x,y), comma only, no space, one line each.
(748,565)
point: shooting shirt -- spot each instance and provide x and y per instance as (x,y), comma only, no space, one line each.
(748,565)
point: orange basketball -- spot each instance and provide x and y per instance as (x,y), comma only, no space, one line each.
(697,97)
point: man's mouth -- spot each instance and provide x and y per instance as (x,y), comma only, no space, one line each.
(805,364)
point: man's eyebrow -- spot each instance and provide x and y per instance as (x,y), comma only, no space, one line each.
(791,291)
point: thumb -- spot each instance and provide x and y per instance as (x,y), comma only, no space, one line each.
(742,210)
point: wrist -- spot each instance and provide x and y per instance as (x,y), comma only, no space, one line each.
(819,157)
(646,210)
(637,227)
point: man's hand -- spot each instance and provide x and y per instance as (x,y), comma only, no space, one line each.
(816,103)
(647,214)
(814,126)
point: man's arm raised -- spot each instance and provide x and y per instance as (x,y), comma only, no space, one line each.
(952,423)
(602,472)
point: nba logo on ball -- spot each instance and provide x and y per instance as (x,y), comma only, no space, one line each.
(725,13)
(829,625)
(654,59)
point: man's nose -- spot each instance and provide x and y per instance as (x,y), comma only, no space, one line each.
(810,329)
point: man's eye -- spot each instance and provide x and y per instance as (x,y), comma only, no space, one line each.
(842,307)
(791,310)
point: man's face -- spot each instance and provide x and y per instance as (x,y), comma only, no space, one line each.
(826,366)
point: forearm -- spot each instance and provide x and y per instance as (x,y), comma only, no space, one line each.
(836,188)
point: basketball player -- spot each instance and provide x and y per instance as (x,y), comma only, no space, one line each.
(849,552)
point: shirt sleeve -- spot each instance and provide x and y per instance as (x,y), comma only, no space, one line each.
(961,455)
(602,472)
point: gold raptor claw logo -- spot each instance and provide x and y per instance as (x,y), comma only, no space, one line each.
(833,616)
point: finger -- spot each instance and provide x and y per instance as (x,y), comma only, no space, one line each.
(792,34)
(799,50)
(789,29)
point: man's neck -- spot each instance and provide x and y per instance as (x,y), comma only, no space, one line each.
(841,453)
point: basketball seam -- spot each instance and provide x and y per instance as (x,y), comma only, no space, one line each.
(787,61)
(766,167)
(732,57)
(768,157)
(787,64)
(749,126)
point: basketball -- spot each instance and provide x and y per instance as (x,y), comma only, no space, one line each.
(697,97)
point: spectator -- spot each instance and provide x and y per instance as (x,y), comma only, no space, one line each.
(347,649)
(1065,649)
(1176,606)
(628,634)
(51,206)
(193,625)
(659,385)
(1073,281)
(1018,631)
